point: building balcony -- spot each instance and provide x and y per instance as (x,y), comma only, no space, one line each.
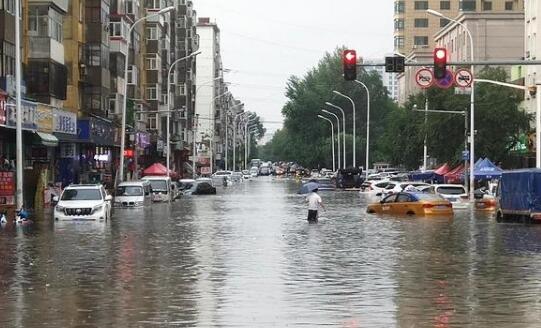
(46,48)
(118,44)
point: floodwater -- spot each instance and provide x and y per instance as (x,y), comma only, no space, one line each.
(248,258)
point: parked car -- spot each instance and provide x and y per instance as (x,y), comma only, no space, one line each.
(265,170)
(349,178)
(454,193)
(83,202)
(395,187)
(246,175)
(254,172)
(161,188)
(237,177)
(406,203)
(133,194)
(375,187)
(518,195)
(202,187)
(185,184)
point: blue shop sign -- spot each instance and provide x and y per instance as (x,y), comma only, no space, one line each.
(29,118)
(96,131)
(64,122)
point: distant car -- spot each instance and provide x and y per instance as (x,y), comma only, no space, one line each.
(454,193)
(265,170)
(83,202)
(237,177)
(246,174)
(375,187)
(254,172)
(161,188)
(405,203)
(185,184)
(395,187)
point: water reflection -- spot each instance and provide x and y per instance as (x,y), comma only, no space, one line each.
(248,258)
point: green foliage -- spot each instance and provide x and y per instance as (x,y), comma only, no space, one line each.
(397,133)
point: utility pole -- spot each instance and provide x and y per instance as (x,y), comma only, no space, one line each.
(18,107)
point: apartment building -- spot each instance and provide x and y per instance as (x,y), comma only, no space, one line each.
(390,81)
(494,24)
(532,40)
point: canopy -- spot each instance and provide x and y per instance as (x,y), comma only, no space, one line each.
(456,175)
(486,170)
(442,170)
(157,169)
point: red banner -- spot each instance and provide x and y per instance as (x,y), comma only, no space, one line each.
(7,183)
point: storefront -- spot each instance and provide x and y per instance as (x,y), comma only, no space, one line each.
(67,163)
(98,158)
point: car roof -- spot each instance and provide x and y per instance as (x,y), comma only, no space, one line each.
(157,177)
(133,183)
(84,186)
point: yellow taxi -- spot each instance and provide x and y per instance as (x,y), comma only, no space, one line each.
(406,203)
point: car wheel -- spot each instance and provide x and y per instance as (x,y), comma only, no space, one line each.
(411,213)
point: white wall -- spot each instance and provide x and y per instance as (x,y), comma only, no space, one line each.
(204,78)
(532,48)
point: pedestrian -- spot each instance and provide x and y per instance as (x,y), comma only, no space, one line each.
(314,204)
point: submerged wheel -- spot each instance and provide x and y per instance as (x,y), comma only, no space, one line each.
(410,213)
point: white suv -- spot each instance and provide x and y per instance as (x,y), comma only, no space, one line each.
(83,202)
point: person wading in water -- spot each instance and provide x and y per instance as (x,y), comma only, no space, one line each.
(314,204)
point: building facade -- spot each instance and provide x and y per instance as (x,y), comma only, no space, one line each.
(390,80)
(532,74)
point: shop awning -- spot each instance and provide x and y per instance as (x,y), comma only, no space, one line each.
(48,139)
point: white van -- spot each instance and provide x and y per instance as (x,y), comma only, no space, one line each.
(133,194)
(161,188)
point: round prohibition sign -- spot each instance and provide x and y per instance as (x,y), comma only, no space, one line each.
(424,78)
(463,78)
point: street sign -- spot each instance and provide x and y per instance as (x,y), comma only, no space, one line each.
(447,81)
(424,78)
(465,155)
(463,78)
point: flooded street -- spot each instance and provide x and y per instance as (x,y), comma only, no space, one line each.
(248,258)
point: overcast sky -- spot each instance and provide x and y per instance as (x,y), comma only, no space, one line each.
(264,42)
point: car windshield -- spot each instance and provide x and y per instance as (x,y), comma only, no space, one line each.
(458,190)
(222,173)
(129,191)
(158,185)
(81,194)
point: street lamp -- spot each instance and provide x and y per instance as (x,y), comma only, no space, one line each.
(125,98)
(18,109)
(235,137)
(344,165)
(337,135)
(472,100)
(227,135)
(332,140)
(354,133)
(367,124)
(169,105)
(212,121)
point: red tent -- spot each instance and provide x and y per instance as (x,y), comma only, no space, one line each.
(157,169)
(456,175)
(443,170)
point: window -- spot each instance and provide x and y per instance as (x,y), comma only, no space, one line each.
(509,5)
(152,121)
(445,5)
(467,5)
(7,53)
(93,55)
(421,5)
(399,7)
(152,62)
(182,89)
(487,5)
(118,29)
(399,24)
(130,7)
(421,22)
(399,42)
(420,40)
(152,92)
(132,75)
(8,5)
(153,4)
(443,22)
(45,22)
(151,33)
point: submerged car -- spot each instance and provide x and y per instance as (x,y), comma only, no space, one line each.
(133,194)
(406,203)
(83,203)
(454,193)
(201,187)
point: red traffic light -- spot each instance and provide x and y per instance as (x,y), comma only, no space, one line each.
(440,63)
(349,59)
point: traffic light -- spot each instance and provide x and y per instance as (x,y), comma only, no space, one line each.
(395,64)
(349,59)
(440,63)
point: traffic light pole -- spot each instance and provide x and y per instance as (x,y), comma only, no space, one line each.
(466,63)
